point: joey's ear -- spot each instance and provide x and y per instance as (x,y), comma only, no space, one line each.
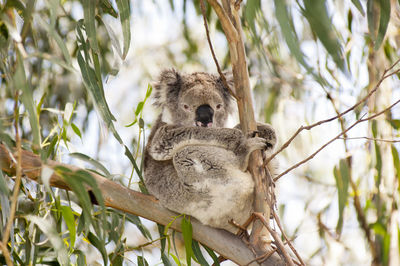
(168,85)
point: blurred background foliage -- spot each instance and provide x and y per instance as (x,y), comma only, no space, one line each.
(76,75)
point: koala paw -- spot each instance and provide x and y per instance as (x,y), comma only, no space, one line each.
(256,143)
(266,132)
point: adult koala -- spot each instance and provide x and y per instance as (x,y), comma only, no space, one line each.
(194,165)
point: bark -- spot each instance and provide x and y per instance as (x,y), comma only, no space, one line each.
(119,197)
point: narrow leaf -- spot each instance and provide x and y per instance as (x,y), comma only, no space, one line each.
(124,15)
(383,22)
(342,177)
(47,226)
(27,98)
(70,222)
(317,15)
(99,245)
(142,261)
(358,5)
(396,163)
(252,7)
(89,12)
(92,161)
(3,185)
(76,130)
(186,226)
(197,253)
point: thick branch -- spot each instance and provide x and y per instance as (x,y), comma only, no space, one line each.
(118,197)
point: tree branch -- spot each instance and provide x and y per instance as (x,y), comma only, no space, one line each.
(335,138)
(384,76)
(119,197)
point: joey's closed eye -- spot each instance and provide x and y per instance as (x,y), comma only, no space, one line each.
(219,106)
(186,107)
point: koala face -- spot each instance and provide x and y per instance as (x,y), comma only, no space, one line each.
(197,99)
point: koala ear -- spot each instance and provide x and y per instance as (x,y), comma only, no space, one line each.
(168,85)
(227,94)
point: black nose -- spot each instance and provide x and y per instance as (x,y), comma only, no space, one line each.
(204,115)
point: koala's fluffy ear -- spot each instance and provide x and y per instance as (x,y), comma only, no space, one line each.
(168,85)
(227,94)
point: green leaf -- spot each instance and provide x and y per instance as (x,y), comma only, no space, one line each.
(359,6)
(136,221)
(128,154)
(378,154)
(113,38)
(108,8)
(27,99)
(212,255)
(81,260)
(320,23)
(286,23)
(3,185)
(396,163)
(149,90)
(371,17)
(342,177)
(70,222)
(48,227)
(92,161)
(383,22)
(89,12)
(93,87)
(99,245)
(139,108)
(252,7)
(186,226)
(165,260)
(61,44)
(124,15)
(197,253)
(142,261)
(76,130)
(395,123)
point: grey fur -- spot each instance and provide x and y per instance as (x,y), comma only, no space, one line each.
(201,171)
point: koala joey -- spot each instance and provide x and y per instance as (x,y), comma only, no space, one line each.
(194,165)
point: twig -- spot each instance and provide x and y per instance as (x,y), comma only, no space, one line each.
(230,31)
(237,4)
(262,257)
(278,241)
(278,222)
(14,199)
(335,138)
(203,11)
(287,143)
(375,139)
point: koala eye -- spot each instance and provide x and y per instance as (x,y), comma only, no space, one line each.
(186,107)
(219,106)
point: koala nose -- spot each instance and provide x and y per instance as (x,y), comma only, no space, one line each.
(204,116)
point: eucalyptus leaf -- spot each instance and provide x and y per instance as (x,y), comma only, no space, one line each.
(89,9)
(96,242)
(317,15)
(124,15)
(385,10)
(342,177)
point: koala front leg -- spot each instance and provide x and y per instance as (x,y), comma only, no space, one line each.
(266,132)
(169,139)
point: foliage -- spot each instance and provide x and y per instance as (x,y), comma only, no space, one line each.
(310,60)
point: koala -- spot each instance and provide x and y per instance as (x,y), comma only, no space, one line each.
(193,164)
